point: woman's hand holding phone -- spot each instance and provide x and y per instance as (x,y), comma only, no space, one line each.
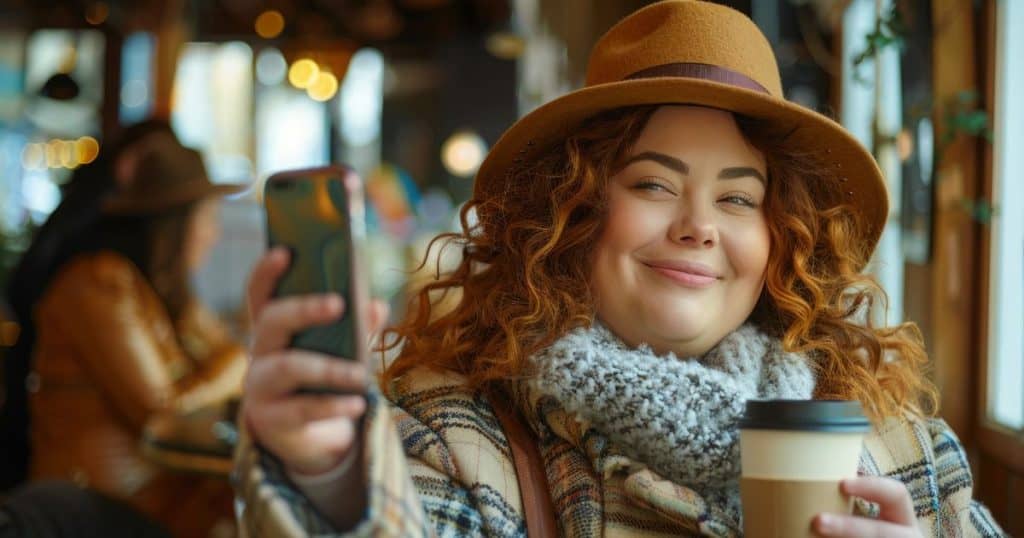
(310,434)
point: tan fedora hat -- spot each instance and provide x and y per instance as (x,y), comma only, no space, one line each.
(168,175)
(699,53)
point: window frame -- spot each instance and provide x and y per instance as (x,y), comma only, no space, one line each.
(1002,444)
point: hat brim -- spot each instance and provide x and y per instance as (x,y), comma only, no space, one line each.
(128,205)
(857,174)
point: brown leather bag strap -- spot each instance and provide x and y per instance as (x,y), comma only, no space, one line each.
(533,481)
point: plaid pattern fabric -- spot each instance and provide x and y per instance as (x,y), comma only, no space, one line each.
(270,506)
(439,465)
(929,459)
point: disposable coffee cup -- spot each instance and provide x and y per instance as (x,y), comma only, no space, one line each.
(794,453)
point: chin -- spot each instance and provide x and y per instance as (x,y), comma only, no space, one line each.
(675,331)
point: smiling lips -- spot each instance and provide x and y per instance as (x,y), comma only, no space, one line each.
(689,274)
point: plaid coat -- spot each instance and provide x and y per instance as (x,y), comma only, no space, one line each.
(438,463)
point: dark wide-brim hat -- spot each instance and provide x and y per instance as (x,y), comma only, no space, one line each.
(167,176)
(689,52)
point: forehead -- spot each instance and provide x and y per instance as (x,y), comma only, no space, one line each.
(691,132)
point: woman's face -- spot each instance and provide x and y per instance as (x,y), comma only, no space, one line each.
(203,232)
(681,259)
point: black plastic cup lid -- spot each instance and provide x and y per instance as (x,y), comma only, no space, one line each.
(833,416)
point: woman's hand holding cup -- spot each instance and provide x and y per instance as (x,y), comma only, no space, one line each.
(896,518)
(309,433)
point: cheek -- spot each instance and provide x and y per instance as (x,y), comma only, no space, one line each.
(748,251)
(630,224)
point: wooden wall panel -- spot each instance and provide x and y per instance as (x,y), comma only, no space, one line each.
(954,290)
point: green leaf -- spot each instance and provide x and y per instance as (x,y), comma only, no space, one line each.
(967,97)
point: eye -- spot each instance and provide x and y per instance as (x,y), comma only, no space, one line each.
(740,199)
(651,185)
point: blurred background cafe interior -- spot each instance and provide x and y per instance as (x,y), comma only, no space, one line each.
(411,93)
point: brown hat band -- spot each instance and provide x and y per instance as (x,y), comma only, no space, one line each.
(713,73)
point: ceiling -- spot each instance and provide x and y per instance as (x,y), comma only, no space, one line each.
(401,27)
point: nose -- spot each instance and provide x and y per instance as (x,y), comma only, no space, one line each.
(695,228)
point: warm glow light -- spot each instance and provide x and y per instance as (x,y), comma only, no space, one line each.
(324,87)
(97,13)
(303,73)
(463,152)
(33,157)
(905,143)
(87,149)
(269,24)
(52,151)
(67,154)
(505,45)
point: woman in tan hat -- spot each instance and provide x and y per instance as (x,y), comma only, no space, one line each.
(652,251)
(120,336)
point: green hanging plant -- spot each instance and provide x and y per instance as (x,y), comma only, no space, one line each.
(980,210)
(890,31)
(963,117)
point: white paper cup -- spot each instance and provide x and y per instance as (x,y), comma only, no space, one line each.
(793,455)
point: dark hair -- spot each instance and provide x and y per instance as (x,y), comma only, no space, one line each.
(155,245)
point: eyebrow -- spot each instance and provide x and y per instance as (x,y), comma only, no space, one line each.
(673,163)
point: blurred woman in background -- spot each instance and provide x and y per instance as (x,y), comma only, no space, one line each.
(58,240)
(120,336)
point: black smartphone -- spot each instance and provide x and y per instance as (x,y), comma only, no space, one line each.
(318,215)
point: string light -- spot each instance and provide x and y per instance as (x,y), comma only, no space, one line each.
(33,157)
(58,153)
(87,149)
(67,154)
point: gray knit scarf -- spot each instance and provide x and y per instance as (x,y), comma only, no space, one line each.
(677,416)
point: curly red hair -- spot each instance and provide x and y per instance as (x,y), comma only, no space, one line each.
(524,274)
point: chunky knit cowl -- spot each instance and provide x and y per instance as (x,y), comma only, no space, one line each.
(676,416)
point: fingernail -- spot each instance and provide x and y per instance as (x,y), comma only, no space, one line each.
(333,303)
(844,485)
(826,523)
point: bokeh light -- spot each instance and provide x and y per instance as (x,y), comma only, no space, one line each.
(270,24)
(97,13)
(271,67)
(134,93)
(33,157)
(463,153)
(59,153)
(66,154)
(303,73)
(324,87)
(87,149)
(52,152)
(505,45)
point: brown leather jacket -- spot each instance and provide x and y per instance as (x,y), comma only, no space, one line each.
(107,356)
